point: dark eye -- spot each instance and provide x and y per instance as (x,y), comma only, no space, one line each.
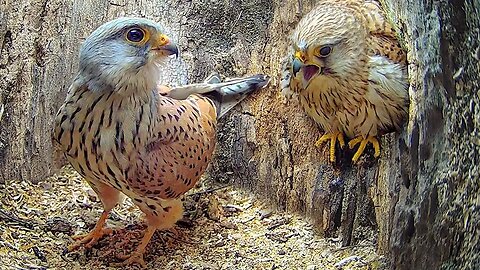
(135,35)
(325,51)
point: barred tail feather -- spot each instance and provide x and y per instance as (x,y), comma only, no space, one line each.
(225,95)
(228,94)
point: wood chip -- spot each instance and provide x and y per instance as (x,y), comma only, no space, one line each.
(36,221)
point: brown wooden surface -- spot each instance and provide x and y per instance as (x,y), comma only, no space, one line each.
(434,215)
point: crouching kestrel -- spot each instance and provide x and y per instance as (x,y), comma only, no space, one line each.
(125,137)
(349,73)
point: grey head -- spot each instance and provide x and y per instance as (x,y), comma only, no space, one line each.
(123,55)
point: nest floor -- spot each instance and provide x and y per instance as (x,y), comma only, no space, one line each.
(223,228)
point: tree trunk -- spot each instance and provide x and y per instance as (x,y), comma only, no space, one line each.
(38,60)
(436,200)
(421,196)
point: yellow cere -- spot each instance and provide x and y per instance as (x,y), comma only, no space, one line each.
(300,55)
(163,40)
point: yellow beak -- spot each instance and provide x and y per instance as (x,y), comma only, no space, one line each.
(301,56)
(162,43)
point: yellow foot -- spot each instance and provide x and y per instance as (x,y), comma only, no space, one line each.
(135,257)
(363,143)
(333,137)
(89,239)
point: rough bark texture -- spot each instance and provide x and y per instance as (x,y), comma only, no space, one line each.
(421,196)
(38,58)
(435,202)
(269,149)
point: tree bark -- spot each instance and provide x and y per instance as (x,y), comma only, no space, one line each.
(40,42)
(421,196)
(435,201)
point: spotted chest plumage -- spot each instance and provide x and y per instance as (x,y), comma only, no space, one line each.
(118,141)
(349,72)
(332,102)
(173,164)
(126,136)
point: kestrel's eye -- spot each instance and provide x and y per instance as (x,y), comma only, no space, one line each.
(324,51)
(136,35)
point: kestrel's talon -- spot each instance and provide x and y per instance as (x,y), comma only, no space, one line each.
(359,93)
(363,143)
(91,238)
(88,240)
(333,137)
(341,140)
(354,141)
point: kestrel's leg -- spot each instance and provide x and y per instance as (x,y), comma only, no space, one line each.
(110,198)
(363,143)
(163,218)
(333,137)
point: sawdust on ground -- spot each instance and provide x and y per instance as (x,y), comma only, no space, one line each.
(223,228)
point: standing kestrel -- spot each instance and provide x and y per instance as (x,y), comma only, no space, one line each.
(124,136)
(349,73)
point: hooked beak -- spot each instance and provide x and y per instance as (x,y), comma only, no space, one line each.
(297,65)
(309,70)
(298,61)
(165,46)
(170,49)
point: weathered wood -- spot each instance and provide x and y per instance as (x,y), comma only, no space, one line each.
(434,212)
(38,57)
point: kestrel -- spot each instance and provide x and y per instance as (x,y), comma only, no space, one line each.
(348,71)
(125,137)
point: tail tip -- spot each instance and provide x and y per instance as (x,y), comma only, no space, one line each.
(262,80)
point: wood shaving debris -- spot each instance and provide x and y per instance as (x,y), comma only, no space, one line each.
(457,74)
(37,221)
(344,262)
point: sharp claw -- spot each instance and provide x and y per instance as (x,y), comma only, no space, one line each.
(363,143)
(89,239)
(332,137)
(341,140)
(93,236)
(376,147)
(354,142)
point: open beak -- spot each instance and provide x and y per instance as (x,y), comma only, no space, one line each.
(296,65)
(165,46)
(309,70)
(298,61)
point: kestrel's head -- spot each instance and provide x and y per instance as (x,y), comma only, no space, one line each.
(329,42)
(123,55)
